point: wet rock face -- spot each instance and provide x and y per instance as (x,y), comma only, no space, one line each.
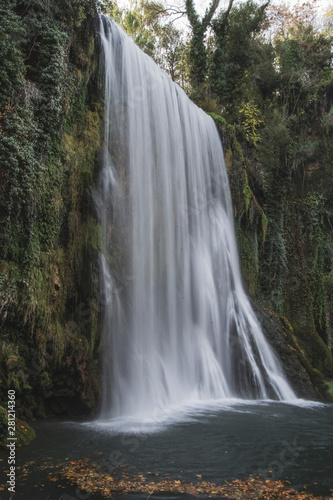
(49,244)
(297,298)
(305,381)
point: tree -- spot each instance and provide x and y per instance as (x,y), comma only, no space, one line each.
(234,47)
(303,60)
(282,17)
(145,23)
(172,52)
(198,52)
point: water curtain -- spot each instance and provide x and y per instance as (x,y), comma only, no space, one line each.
(178,325)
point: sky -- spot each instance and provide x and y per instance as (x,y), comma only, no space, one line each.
(323,5)
(202,4)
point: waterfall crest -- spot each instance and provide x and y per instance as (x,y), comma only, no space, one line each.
(178,324)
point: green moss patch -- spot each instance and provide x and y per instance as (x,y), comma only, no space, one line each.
(23,432)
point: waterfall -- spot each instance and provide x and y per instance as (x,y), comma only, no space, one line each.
(178,325)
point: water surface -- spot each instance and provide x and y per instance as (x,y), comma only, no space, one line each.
(214,442)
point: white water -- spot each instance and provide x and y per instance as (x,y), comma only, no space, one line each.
(178,324)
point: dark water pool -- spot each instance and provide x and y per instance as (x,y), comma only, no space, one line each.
(217,442)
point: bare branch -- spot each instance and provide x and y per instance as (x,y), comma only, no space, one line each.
(154,10)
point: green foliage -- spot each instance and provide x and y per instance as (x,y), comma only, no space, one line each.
(48,232)
(198,51)
(249,253)
(327,122)
(236,44)
(172,55)
(12,38)
(250,119)
(133,22)
(276,92)
(24,433)
(287,166)
(330,387)
(303,58)
(136,23)
(145,22)
(219,120)
(30,127)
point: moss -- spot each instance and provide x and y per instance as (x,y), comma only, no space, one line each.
(49,295)
(251,221)
(23,432)
(228,156)
(251,204)
(219,120)
(285,250)
(247,192)
(330,387)
(248,248)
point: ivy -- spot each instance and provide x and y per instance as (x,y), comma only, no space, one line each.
(12,39)
(49,84)
(251,121)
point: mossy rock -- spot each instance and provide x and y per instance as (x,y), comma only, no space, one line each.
(306,381)
(24,433)
(329,384)
(219,120)
(49,267)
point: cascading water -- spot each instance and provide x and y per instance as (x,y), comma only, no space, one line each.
(178,324)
